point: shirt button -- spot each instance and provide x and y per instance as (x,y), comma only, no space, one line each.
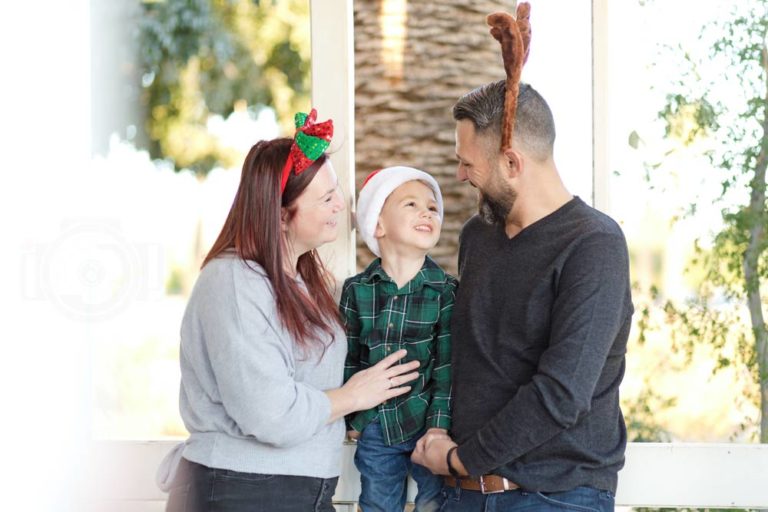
(391,326)
(396,297)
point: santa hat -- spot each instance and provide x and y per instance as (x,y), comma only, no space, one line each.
(375,190)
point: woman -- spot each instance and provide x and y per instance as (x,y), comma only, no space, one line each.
(262,347)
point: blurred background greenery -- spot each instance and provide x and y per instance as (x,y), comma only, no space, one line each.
(200,58)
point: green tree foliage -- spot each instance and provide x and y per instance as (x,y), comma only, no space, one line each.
(722,97)
(201,58)
(640,415)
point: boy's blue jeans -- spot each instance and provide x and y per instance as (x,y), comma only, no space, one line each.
(384,471)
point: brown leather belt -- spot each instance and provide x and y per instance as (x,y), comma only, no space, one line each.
(487,484)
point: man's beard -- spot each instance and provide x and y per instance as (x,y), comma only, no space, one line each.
(494,210)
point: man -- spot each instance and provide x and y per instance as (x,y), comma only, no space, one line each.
(540,324)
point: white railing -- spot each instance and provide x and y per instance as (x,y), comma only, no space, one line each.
(656,474)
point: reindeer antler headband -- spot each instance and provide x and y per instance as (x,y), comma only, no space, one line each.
(514,35)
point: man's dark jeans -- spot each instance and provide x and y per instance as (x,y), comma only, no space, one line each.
(581,499)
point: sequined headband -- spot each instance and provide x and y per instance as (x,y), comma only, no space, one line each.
(309,143)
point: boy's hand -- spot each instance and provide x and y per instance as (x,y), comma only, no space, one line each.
(353,435)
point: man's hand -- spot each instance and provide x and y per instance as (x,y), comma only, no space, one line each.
(431,450)
(353,435)
(432,433)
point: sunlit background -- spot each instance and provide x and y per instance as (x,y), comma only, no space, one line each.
(124,151)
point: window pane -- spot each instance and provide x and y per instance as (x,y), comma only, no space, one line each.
(181,92)
(686,377)
(410,72)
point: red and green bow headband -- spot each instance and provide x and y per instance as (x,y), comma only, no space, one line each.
(309,143)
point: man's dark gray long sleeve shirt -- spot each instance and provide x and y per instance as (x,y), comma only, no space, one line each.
(540,327)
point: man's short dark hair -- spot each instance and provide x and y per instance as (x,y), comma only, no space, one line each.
(534,124)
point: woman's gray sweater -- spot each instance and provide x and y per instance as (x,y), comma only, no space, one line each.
(250,398)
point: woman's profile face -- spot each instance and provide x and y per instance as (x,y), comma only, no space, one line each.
(316,212)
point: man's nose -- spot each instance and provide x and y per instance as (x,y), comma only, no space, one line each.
(461,174)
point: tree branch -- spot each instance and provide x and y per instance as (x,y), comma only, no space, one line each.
(756,217)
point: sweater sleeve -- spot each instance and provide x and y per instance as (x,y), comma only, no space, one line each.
(588,312)
(253,362)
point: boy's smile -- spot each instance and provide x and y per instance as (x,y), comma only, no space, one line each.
(409,218)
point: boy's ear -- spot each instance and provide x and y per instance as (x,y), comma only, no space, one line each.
(379,231)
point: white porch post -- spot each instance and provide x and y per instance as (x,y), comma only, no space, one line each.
(600,172)
(333,94)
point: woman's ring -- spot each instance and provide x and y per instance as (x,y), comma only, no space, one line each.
(391,384)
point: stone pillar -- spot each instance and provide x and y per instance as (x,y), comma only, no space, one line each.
(413,59)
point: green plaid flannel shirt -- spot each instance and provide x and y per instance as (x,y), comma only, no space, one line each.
(381,319)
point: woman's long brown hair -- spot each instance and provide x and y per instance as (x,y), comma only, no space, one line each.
(252,230)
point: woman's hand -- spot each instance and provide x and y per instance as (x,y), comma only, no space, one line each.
(381,382)
(372,386)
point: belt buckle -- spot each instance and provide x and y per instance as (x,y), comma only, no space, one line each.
(484,491)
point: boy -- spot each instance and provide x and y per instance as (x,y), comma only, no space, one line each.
(402,300)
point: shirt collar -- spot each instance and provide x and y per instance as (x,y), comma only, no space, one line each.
(430,275)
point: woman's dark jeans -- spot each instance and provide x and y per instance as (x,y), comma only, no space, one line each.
(198,488)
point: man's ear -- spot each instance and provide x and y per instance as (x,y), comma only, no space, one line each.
(513,161)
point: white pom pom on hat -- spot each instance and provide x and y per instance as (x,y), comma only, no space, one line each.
(374,192)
